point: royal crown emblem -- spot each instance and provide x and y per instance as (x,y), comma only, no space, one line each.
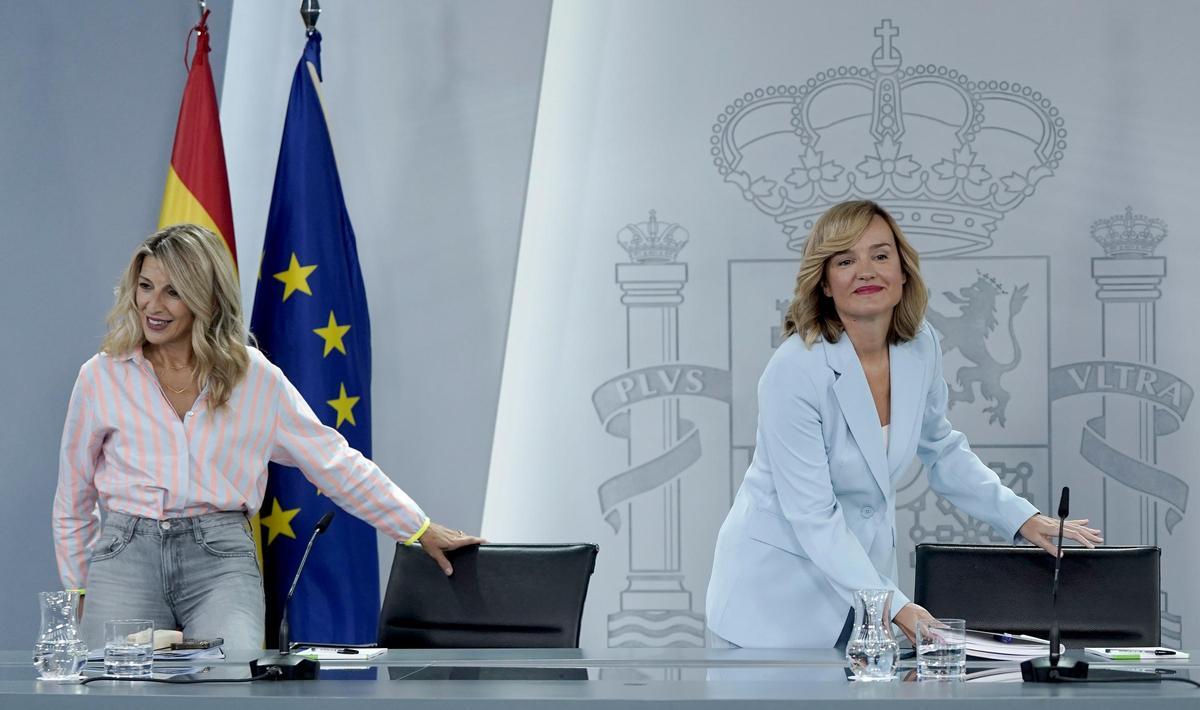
(948,156)
(652,241)
(1129,235)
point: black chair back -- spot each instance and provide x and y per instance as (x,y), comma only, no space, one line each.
(1108,596)
(500,596)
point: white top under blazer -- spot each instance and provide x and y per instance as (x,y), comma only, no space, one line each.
(815,517)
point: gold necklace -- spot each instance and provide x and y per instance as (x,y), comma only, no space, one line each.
(169,366)
(163,382)
(185,388)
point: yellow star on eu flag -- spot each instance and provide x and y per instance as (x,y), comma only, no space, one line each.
(295,278)
(279,522)
(344,406)
(332,334)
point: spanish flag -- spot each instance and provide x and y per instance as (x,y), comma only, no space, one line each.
(197,189)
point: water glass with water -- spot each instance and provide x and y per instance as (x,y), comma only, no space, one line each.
(129,647)
(941,649)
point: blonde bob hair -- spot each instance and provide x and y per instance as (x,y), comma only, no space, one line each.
(812,314)
(201,271)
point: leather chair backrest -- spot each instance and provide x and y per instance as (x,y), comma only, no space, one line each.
(1108,596)
(500,596)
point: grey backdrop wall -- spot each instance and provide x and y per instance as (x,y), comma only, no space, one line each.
(432,108)
(91,95)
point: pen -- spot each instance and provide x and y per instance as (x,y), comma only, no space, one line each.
(1134,653)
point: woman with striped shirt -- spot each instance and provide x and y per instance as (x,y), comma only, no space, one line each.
(169,430)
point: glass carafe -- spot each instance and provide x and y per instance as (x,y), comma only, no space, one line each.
(872,648)
(60,652)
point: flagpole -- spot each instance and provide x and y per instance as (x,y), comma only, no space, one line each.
(310,12)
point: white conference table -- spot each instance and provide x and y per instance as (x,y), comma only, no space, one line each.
(593,679)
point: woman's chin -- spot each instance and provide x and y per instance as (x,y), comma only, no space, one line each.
(156,337)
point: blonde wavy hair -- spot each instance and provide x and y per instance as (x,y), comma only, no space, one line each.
(201,271)
(812,314)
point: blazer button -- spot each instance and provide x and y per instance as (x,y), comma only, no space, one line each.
(867,511)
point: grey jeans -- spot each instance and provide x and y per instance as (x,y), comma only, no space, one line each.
(196,574)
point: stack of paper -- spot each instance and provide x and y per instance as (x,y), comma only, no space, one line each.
(1006,647)
(190,654)
(96,655)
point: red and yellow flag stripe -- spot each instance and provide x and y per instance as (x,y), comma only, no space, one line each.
(197,189)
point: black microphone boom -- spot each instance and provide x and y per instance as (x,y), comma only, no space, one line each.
(1053,668)
(1063,669)
(1064,507)
(322,524)
(284,666)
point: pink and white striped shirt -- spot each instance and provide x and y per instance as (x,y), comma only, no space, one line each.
(125,447)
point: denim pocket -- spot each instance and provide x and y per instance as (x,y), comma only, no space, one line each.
(230,540)
(109,545)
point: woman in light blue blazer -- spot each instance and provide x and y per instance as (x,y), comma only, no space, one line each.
(844,403)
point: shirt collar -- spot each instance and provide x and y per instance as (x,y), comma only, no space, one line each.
(134,355)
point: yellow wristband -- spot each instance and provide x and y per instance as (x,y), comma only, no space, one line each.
(417,535)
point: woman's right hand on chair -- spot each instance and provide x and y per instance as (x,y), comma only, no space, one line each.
(438,539)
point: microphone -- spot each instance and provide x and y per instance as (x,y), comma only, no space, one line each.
(1054,669)
(283,665)
(1064,506)
(322,524)
(1066,668)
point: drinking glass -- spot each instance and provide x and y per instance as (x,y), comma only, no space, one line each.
(129,647)
(941,649)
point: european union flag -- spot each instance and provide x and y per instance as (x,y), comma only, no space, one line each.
(310,318)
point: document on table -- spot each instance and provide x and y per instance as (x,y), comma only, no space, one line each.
(338,653)
(1006,647)
(1138,653)
(96,655)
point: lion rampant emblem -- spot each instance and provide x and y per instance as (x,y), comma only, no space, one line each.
(968,333)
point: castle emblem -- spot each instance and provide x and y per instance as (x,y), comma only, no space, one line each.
(948,156)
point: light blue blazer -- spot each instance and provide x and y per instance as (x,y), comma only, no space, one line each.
(815,517)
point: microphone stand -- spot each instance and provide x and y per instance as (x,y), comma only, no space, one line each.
(283,665)
(1055,668)
(1067,668)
